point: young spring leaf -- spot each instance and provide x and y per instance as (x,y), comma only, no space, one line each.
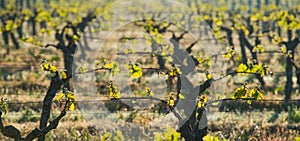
(82,69)
(72,107)
(62,75)
(157,137)
(211,138)
(171,100)
(256,94)
(208,75)
(242,68)
(171,134)
(52,69)
(260,48)
(174,71)
(149,92)
(4,105)
(283,49)
(240,92)
(60,96)
(135,70)
(113,66)
(106,136)
(114,91)
(45,66)
(181,96)
(230,52)
(75,38)
(119,136)
(70,96)
(201,102)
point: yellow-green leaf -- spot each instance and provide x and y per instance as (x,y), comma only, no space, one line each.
(70,96)
(283,49)
(6,108)
(114,91)
(45,66)
(240,92)
(171,102)
(255,93)
(208,76)
(174,72)
(135,70)
(227,55)
(60,96)
(149,92)
(52,69)
(63,75)
(72,107)
(181,96)
(75,38)
(4,105)
(106,136)
(242,68)
(210,138)
(202,101)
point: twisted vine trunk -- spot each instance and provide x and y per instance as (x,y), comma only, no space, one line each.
(289,78)
(14,133)
(68,53)
(242,45)
(55,85)
(194,128)
(298,78)
(291,46)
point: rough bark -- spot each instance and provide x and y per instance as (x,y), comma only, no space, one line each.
(242,45)
(291,46)
(13,132)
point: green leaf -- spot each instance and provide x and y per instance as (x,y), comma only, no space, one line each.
(4,105)
(75,38)
(171,135)
(260,48)
(70,96)
(202,101)
(135,70)
(43,16)
(240,92)
(62,75)
(242,68)
(82,69)
(227,55)
(208,76)
(113,66)
(72,107)
(60,96)
(181,96)
(106,136)
(9,25)
(115,69)
(55,58)
(255,93)
(149,92)
(174,71)
(114,91)
(210,138)
(283,49)
(157,137)
(119,136)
